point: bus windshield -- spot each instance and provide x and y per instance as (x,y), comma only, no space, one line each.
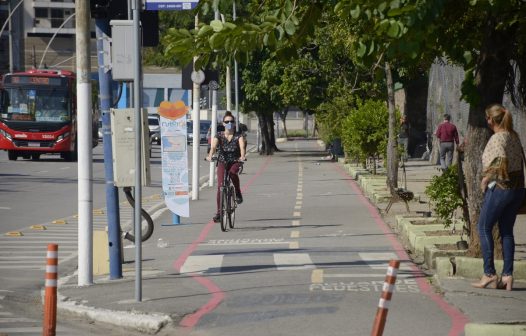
(36,104)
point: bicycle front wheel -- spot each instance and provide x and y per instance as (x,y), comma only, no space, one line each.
(223,209)
(232,207)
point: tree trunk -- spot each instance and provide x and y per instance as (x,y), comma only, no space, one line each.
(283,116)
(306,123)
(314,126)
(493,67)
(272,135)
(267,145)
(392,144)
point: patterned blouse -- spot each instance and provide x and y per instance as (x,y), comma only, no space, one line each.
(502,160)
(228,151)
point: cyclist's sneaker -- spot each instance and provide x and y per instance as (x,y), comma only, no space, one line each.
(239,198)
(216,218)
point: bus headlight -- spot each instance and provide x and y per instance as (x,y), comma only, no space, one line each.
(62,137)
(6,135)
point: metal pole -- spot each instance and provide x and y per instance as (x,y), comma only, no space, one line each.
(138,131)
(195,131)
(213,132)
(9,17)
(84,138)
(112,194)
(10,38)
(236,77)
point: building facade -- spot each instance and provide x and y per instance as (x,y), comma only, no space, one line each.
(39,34)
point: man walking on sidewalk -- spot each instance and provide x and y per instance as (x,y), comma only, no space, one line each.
(446,134)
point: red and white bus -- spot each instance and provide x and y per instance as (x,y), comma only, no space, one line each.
(38,112)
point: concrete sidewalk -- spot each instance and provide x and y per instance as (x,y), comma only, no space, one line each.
(492,312)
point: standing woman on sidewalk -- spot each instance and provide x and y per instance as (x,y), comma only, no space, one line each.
(503,187)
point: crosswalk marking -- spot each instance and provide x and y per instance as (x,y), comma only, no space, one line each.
(200,264)
(293,261)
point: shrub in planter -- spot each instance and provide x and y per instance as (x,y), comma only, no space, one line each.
(444,194)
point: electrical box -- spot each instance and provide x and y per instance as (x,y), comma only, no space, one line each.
(122,50)
(123,146)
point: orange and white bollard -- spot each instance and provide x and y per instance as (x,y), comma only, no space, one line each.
(50,300)
(383,305)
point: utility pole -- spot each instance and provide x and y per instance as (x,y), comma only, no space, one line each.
(196,130)
(137,97)
(112,194)
(236,80)
(84,149)
(212,85)
(11,67)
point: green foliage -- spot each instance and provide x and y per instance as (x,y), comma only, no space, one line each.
(365,129)
(444,193)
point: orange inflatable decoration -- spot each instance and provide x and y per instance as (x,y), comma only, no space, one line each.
(173,111)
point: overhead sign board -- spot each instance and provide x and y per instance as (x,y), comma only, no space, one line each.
(171,4)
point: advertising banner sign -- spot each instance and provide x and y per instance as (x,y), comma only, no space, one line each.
(174,157)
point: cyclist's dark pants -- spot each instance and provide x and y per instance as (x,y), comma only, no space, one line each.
(233,170)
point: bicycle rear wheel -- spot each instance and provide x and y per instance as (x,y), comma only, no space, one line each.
(232,207)
(223,209)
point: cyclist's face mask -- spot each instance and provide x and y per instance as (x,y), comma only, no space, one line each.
(229,124)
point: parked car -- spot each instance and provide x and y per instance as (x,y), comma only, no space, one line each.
(155,129)
(204,125)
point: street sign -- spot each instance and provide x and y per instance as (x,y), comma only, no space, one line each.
(171,4)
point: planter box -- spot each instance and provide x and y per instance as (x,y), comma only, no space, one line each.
(356,171)
(433,251)
(471,268)
(419,239)
(406,223)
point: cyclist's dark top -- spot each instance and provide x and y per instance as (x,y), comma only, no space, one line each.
(228,151)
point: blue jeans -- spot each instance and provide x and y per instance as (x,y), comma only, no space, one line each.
(499,205)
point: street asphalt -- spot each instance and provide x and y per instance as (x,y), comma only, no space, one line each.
(190,287)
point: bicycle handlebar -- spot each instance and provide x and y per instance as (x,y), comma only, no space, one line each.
(215,159)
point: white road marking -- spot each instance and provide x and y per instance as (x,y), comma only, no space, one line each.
(380,260)
(9,331)
(5,208)
(15,319)
(293,261)
(200,264)
(295,223)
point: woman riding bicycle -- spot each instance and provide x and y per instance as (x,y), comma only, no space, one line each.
(231,151)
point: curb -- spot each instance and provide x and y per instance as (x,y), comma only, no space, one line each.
(471,268)
(149,323)
(486,329)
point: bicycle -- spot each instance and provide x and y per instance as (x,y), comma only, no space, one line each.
(227,200)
